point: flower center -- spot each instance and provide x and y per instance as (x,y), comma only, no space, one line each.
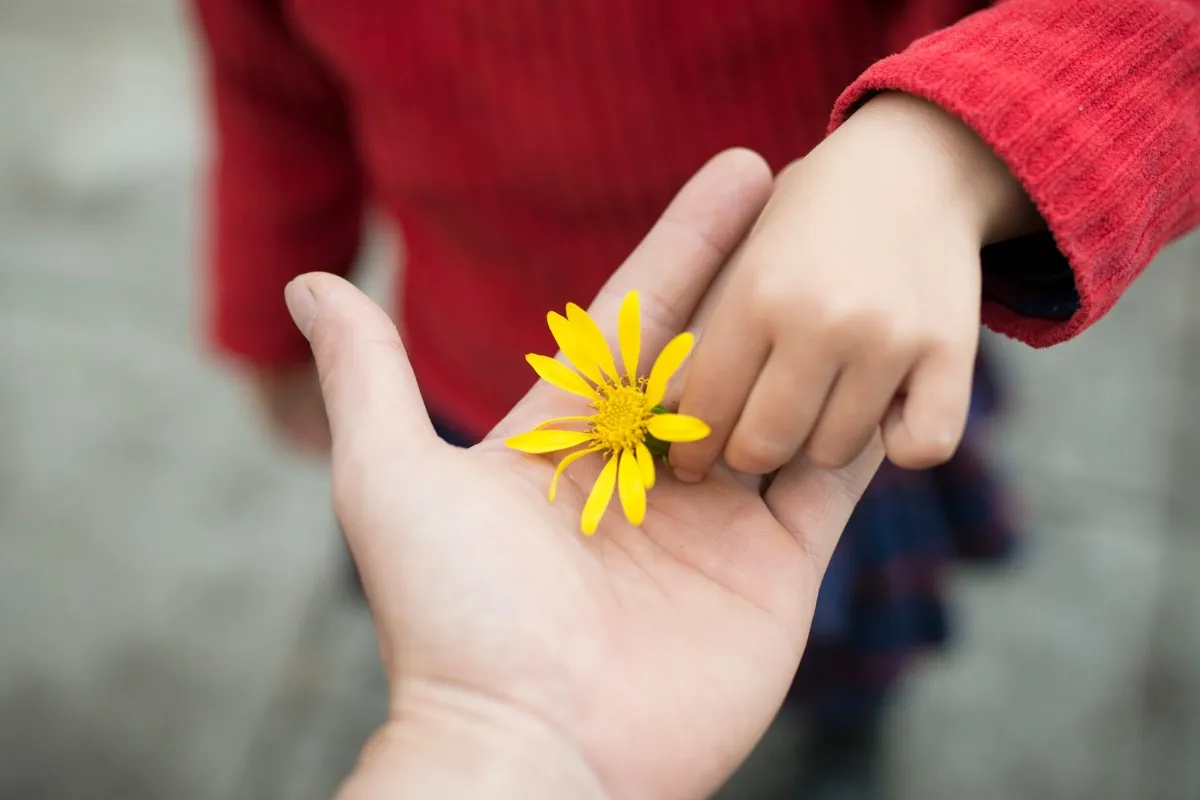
(620,419)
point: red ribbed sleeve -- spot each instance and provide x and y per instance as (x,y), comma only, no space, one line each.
(1095,106)
(287,194)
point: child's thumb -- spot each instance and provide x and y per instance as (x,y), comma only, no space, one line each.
(370,393)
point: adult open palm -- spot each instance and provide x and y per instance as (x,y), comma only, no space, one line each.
(638,662)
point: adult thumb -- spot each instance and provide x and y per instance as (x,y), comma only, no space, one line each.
(371,396)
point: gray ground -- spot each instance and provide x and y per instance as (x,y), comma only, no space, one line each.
(170,620)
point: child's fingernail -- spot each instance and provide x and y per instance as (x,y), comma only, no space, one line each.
(688,477)
(301,305)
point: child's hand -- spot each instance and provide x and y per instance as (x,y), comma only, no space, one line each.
(291,401)
(856,300)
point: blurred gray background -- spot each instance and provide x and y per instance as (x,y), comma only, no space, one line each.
(172,622)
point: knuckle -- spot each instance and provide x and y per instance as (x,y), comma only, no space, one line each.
(695,457)
(836,327)
(868,328)
(949,348)
(903,336)
(827,454)
(756,455)
(854,325)
(838,318)
(879,330)
(773,294)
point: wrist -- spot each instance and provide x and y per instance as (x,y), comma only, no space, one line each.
(976,186)
(449,742)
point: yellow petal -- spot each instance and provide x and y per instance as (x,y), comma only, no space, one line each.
(560,375)
(547,441)
(677,428)
(629,333)
(668,361)
(597,501)
(646,465)
(557,420)
(572,346)
(566,462)
(633,491)
(593,339)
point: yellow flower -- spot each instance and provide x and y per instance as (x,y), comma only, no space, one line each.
(628,420)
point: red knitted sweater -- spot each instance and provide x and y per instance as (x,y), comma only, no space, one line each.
(525,146)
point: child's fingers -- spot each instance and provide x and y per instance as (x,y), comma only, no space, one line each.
(726,363)
(930,424)
(784,404)
(856,405)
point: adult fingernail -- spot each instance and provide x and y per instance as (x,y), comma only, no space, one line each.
(688,477)
(301,305)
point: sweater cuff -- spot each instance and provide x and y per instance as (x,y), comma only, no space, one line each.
(1093,107)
